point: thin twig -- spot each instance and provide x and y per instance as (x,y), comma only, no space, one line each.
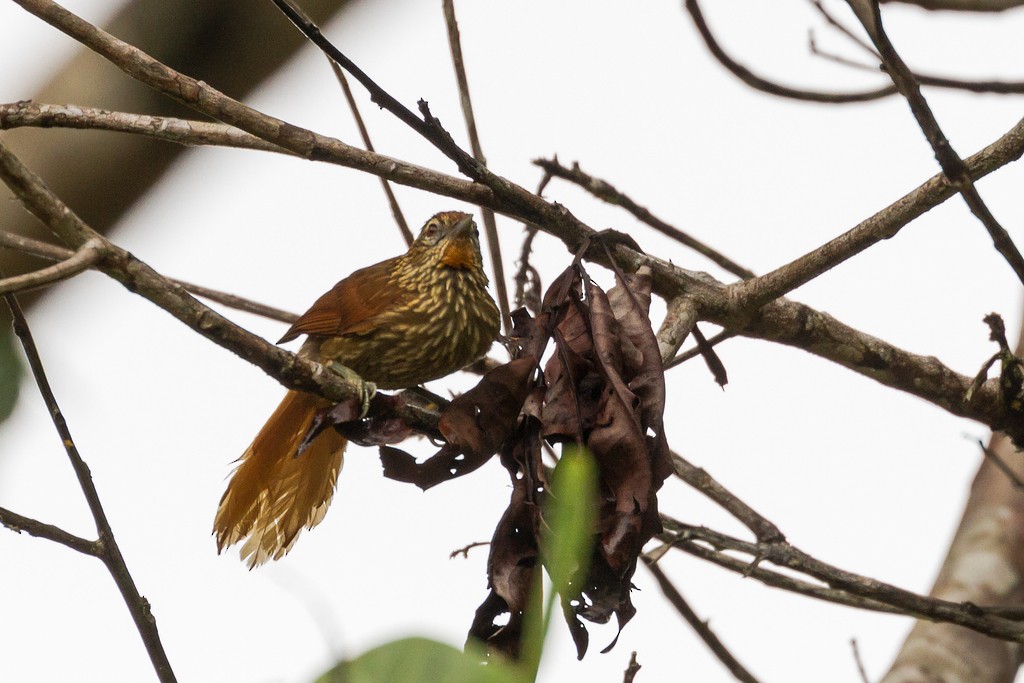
(464,550)
(110,553)
(695,351)
(846,31)
(55,253)
(838,59)
(490,226)
(769,577)
(428,126)
(953,167)
(988,87)
(764,85)
(1001,464)
(632,669)
(860,663)
(763,529)
(606,191)
(18,523)
(883,225)
(698,625)
(396,210)
(527,279)
(287,368)
(783,554)
(86,257)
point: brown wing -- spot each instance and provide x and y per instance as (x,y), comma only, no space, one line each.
(352,305)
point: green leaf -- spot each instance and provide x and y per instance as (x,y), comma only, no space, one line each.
(571,517)
(420,660)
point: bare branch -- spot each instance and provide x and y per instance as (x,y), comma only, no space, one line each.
(775,579)
(699,626)
(605,191)
(764,85)
(860,664)
(55,253)
(764,530)
(286,367)
(953,166)
(883,225)
(428,126)
(18,523)
(396,210)
(490,226)
(695,351)
(109,552)
(189,133)
(84,258)
(785,555)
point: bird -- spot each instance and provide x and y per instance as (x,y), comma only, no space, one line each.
(399,323)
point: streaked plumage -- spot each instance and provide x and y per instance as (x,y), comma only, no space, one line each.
(399,323)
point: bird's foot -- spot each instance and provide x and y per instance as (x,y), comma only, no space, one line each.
(366,389)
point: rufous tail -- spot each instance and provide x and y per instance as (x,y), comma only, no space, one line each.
(274,493)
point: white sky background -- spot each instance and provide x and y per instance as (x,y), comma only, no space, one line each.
(854,473)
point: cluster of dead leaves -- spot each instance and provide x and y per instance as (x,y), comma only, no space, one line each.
(603,387)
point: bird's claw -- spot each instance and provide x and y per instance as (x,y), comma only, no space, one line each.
(366,389)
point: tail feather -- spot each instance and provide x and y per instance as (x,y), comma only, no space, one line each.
(273,493)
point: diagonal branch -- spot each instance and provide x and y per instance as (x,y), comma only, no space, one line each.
(84,258)
(109,552)
(18,523)
(699,626)
(953,167)
(764,85)
(286,367)
(54,253)
(396,210)
(882,226)
(428,127)
(490,227)
(783,554)
(605,191)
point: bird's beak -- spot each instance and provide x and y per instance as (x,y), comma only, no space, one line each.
(462,228)
(461,250)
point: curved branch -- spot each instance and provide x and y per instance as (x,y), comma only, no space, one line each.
(607,192)
(700,626)
(84,258)
(182,131)
(882,226)
(952,165)
(109,552)
(55,253)
(18,523)
(292,371)
(785,555)
(770,87)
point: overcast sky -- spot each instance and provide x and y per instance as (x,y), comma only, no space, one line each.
(856,474)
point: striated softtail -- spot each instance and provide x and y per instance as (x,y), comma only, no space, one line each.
(273,493)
